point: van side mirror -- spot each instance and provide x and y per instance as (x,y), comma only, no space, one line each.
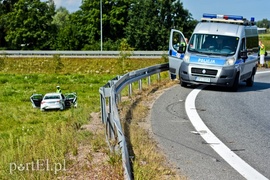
(182,48)
(244,54)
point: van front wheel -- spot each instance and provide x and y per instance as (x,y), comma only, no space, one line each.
(183,84)
(234,87)
(250,81)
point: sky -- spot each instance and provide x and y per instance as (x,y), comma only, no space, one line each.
(246,8)
(70,5)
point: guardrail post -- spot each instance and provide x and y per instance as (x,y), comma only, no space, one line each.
(149,80)
(119,98)
(103,108)
(140,85)
(158,76)
(130,90)
(110,118)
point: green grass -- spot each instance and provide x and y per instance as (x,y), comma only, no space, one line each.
(27,134)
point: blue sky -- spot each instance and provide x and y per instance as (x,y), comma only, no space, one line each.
(247,8)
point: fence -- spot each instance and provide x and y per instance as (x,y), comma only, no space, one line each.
(109,98)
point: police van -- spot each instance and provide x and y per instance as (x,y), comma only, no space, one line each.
(223,50)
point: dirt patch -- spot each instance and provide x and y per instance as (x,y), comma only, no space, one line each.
(93,164)
(90,163)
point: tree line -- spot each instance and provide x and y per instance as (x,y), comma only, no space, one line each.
(143,24)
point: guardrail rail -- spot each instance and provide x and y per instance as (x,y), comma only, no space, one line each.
(81,54)
(109,98)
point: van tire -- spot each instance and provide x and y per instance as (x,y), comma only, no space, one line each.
(234,87)
(183,84)
(250,81)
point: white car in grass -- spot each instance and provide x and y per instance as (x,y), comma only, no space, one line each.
(54,101)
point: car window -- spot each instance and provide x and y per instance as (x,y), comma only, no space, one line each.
(52,97)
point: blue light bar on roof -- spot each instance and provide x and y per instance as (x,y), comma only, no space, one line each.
(216,16)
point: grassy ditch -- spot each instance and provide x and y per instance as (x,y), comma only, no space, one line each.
(148,161)
(57,144)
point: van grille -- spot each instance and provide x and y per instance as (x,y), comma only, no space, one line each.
(204,72)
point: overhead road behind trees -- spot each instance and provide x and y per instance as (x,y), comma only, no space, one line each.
(82,54)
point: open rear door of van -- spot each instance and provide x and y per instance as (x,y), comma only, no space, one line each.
(177,39)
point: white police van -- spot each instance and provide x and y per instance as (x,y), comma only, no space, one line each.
(223,50)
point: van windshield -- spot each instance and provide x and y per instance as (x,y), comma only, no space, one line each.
(213,44)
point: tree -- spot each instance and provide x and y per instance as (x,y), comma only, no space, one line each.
(70,35)
(114,19)
(6,6)
(30,25)
(265,23)
(145,24)
(61,18)
(150,22)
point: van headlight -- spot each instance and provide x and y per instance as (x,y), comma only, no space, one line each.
(230,61)
(186,58)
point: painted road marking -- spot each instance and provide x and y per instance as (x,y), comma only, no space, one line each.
(229,156)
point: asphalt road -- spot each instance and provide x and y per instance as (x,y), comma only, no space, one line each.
(241,120)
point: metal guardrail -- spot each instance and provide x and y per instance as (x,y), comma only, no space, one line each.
(83,54)
(109,98)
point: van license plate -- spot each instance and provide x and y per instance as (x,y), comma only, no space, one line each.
(202,79)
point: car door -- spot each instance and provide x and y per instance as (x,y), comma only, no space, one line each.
(247,65)
(71,99)
(36,100)
(63,100)
(175,56)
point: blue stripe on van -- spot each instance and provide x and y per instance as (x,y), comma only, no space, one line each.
(178,55)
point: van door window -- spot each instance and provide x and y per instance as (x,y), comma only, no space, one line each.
(242,47)
(178,41)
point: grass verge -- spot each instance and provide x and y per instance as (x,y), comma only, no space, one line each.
(148,160)
(57,145)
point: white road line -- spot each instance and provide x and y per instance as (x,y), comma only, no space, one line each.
(230,157)
(262,72)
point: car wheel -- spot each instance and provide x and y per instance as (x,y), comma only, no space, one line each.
(62,107)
